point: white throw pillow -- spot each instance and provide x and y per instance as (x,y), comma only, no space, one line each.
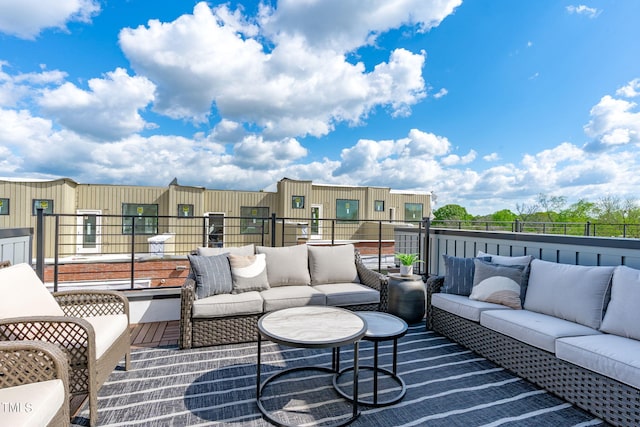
(623,313)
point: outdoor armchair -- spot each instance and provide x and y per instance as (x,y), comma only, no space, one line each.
(92,327)
(34,384)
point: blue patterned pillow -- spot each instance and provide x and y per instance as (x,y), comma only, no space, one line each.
(213,275)
(458,276)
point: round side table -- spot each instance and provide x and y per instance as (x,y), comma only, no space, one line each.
(407,297)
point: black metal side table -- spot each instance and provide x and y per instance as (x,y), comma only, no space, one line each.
(380,327)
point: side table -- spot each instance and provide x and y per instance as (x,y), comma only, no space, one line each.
(407,297)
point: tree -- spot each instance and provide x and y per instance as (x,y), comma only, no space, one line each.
(452,212)
(504,215)
(580,211)
(551,205)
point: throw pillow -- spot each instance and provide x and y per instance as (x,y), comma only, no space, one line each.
(571,292)
(499,284)
(524,260)
(212,275)
(332,264)
(286,266)
(249,273)
(623,316)
(458,276)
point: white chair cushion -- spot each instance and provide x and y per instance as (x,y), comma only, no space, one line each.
(24,294)
(291,296)
(107,329)
(228,305)
(342,294)
(33,405)
(610,355)
(535,329)
(623,314)
(463,306)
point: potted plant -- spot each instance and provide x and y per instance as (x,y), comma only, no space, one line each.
(406,263)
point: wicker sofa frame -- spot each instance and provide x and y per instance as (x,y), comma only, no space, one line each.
(196,332)
(77,338)
(27,362)
(604,397)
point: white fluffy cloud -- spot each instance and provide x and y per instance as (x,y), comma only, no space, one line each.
(590,12)
(27,18)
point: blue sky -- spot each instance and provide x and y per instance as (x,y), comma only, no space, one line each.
(485,103)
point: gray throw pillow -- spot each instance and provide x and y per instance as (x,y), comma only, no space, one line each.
(623,314)
(499,284)
(458,275)
(249,273)
(212,275)
(286,266)
(524,260)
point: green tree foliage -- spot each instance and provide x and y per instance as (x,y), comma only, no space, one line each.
(452,212)
(504,215)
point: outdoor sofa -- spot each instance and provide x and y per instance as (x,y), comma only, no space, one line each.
(577,334)
(230,288)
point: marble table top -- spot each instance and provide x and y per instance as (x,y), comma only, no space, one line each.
(312,327)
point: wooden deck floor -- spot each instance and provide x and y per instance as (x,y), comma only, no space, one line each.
(155,334)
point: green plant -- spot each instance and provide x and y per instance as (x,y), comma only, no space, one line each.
(408,259)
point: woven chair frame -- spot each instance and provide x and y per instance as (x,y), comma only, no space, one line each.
(203,332)
(26,362)
(614,402)
(77,338)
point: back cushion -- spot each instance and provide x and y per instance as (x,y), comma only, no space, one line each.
(623,313)
(332,264)
(572,292)
(22,294)
(286,265)
(235,250)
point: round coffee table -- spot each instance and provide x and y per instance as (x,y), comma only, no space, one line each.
(310,327)
(380,327)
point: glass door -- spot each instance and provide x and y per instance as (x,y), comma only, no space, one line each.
(88,232)
(215,229)
(316,223)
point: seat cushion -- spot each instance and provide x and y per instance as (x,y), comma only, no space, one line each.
(287,265)
(572,292)
(24,294)
(291,296)
(228,305)
(212,275)
(536,329)
(463,306)
(107,329)
(33,405)
(610,355)
(332,264)
(623,314)
(344,294)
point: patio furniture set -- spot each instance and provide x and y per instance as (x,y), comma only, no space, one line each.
(572,330)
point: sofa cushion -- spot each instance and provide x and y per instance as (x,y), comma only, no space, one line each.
(225,305)
(34,404)
(332,264)
(536,329)
(524,260)
(571,292)
(235,250)
(286,265)
(212,275)
(249,273)
(291,296)
(499,284)
(344,294)
(107,329)
(623,312)
(24,294)
(609,355)
(463,306)
(458,276)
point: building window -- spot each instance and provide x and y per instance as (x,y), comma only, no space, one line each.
(347,210)
(297,202)
(254,220)
(4,206)
(142,217)
(412,212)
(378,206)
(45,204)
(185,211)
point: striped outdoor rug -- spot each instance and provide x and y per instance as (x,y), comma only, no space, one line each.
(447,385)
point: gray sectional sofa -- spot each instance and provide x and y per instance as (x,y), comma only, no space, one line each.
(230,288)
(575,330)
